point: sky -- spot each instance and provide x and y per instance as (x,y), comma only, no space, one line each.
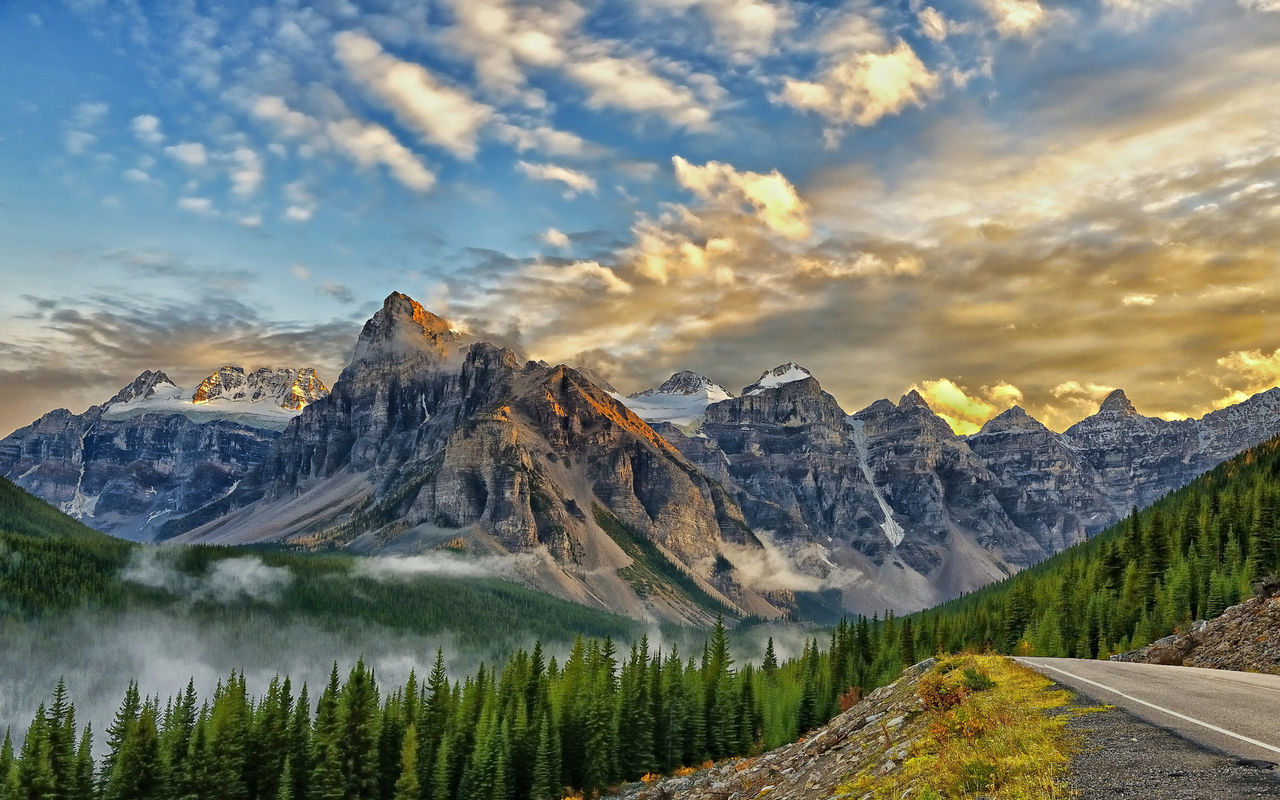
(991,201)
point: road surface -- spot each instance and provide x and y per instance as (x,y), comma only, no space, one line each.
(1236,713)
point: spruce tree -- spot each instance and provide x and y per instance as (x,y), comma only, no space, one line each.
(326,781)
(407,786)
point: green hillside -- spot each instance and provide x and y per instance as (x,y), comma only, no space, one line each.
(1186,557)
(50,564)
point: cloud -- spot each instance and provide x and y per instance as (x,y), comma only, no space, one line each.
(227,580)
(747,29)
(300,272)
(202,206)
(442,114)
(87,115)
(247,172)
(774,199)
(965,410)
(78,142)
(366,143)
(864,87)
(1140,299)
(372,144)
(1244,373)
(78,352)
(554,238)
(1015,17)
(628,83)
(137,176)
(933,24)
(588,275)
(543,138)
(147,129)
(391,568)
(338,291)
(504,40)
(190,153)
(575,182)
(302,204)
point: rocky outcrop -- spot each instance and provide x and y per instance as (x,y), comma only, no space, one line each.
(285,388)
(1246,637)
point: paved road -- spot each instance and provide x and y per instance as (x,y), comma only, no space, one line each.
(1237,713)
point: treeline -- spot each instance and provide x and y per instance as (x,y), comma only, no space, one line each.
(533,730)
(1186,557)
(51,564)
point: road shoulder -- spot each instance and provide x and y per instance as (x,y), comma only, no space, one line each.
(1122,756)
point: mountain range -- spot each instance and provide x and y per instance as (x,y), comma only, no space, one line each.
(667,504)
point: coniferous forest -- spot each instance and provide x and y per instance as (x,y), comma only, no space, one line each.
(534,729)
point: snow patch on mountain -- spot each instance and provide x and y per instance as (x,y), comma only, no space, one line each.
(789,372)
(681,400)
(892,530)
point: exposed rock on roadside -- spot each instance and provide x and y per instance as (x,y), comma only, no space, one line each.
(1246,637)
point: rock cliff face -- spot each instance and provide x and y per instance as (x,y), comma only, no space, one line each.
(151,453)
(427,438)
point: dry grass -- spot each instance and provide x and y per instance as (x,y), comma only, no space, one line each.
(985,733)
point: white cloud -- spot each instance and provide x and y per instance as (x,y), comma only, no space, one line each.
(555,238)
(366,143)
(86,115)
(628,83)
(147,129)
(300,272)
(250,221)
(1015,17)
(503,40)
(544,139)
(198,205)
(575,182)
(774,200)
(190,153)
(371,144)
(863,88)
(137,176)
(746,28)
(78,142)
(1138,299)
(247,174)
(443,115)
(302,204)
(587,274)
(1260,5)
(933,24)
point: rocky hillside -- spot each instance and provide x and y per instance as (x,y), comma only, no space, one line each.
(1245,637)
(938,731)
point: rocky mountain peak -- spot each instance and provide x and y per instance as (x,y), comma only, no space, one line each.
(306,389)
(1117,404)
(144,386)
(1014,419)
(780,375)
(685,383)
(913,399)
(289,389)
(403,328)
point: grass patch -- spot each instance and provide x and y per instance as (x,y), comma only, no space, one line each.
(986,732)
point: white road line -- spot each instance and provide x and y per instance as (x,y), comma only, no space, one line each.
(1193,720)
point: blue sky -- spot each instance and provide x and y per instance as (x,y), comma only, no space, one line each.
(995,201)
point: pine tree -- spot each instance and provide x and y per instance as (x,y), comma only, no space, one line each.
(126,716)
(326,781)
(908,644)
(35,776)
(8,766)
(407,786)
(770,664)
(82,784)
